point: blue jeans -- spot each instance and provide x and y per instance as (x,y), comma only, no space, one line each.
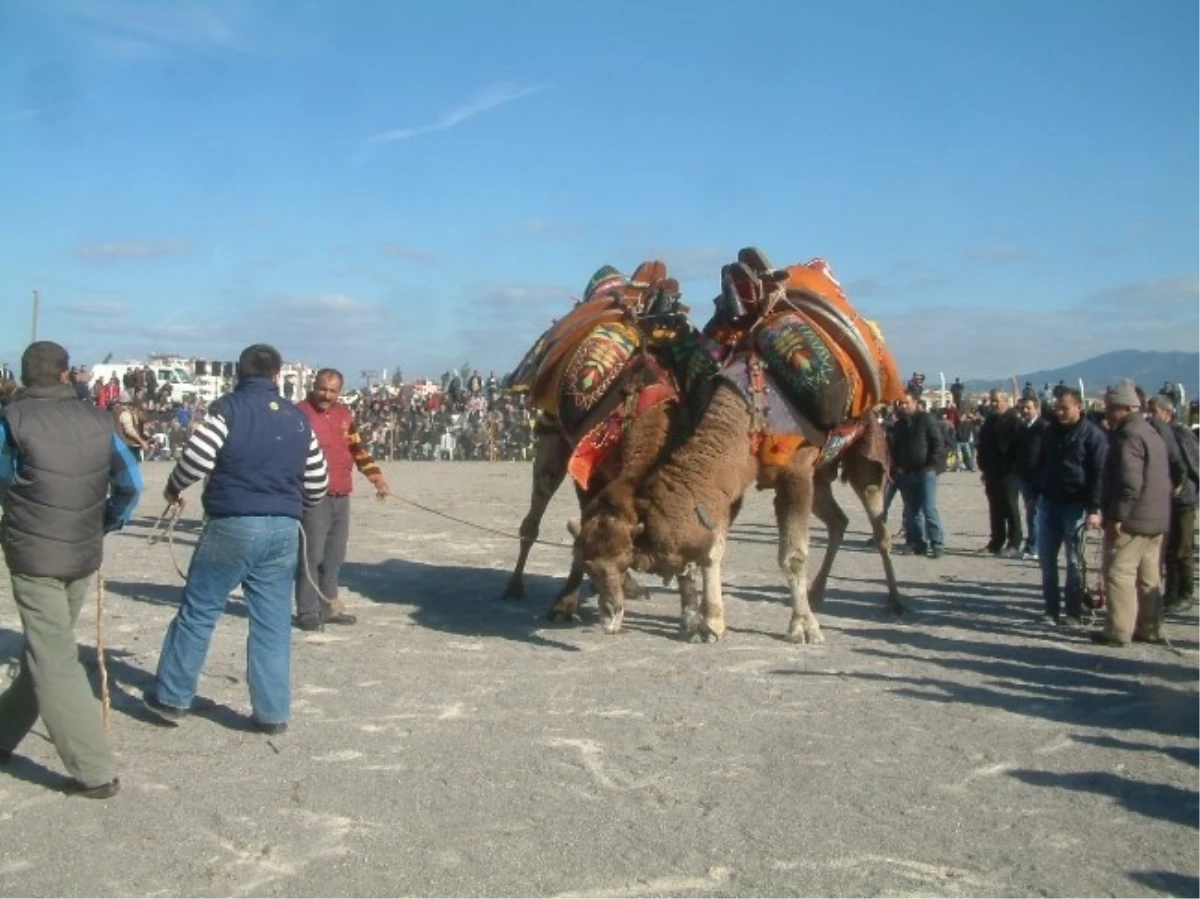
(966,456)
(1029,500)
(922,525)
(1059,525)
(260,553)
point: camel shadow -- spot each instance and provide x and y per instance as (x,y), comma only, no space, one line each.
(460,599)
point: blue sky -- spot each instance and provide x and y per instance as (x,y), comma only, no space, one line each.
(1004,186)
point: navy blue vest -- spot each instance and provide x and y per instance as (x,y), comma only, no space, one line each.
(260,470)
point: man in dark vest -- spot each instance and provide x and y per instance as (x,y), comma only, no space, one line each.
(66,481)
(264,467)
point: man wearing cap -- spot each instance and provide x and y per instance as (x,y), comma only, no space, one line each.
(1137,513)
(127,421)
(1179,556)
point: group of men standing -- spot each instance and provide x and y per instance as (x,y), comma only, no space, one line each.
(1134,476)
(278,481)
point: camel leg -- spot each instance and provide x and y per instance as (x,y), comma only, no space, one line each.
(689,605)
(827,510)
(869,480)
(793,512)
(549,468)
(713,607)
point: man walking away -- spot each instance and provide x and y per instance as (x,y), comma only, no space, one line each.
(994,452)
(1137,512)
(263,466)
(69,481)
(327,524)
(1179,590)
(1070,473)
(964,435)
(917,453)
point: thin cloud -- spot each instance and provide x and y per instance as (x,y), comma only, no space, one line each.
(403,252)
(492,97)
(1149,297)
(130,250)
(105,308)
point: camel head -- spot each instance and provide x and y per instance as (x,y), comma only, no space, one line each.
(604,546)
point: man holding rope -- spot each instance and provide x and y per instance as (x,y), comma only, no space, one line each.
(263,466)
(327,524)
(68,480)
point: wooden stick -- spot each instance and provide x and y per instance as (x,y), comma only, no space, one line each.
(105,700)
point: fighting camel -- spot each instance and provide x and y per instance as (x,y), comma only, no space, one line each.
(792,402)
(602,382)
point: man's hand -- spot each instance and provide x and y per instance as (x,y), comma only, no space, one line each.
(1113,529)
(173,498)
(1092,522)
(382,490)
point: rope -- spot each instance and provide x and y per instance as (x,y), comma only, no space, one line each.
(478,527)
(105,699)
(164,529)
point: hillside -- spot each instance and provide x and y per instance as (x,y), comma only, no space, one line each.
(1148,368)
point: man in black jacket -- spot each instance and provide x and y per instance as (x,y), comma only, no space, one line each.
(1180,555)
(1069,476)
(1027,449)
(997,463)
(917,454)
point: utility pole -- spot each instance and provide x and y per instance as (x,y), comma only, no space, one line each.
(36,303)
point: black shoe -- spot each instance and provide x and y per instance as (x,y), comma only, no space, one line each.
(936,552)
(308,624)
(103,791)
(1178,605)
(5,756)
(341,618)
(271,730)
(167,714)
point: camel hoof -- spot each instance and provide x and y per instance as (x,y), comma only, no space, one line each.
(689,624)
(558,616)
(513,594)
(564,610)
(805,632)
(713,629)
(896,606)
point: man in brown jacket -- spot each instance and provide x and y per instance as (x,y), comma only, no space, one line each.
(1137,513)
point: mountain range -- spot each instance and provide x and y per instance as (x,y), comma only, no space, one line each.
(1148,368)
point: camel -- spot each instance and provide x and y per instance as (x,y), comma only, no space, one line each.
(619,421)
(676,518)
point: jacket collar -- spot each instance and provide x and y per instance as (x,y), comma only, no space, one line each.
(257,384)
(52,392)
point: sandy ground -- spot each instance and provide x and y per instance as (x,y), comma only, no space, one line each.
(454,744)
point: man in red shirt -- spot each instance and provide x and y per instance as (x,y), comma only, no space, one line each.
(327,524)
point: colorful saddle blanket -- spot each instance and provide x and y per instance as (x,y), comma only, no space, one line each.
(779,426)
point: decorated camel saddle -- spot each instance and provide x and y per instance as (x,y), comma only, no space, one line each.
(596,368)
(809,365)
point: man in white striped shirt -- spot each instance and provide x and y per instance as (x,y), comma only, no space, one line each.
(264,467)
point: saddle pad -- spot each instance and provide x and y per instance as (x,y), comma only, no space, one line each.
(592,368)
(816,375)
(817,277)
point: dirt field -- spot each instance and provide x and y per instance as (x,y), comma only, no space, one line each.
(454,744)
